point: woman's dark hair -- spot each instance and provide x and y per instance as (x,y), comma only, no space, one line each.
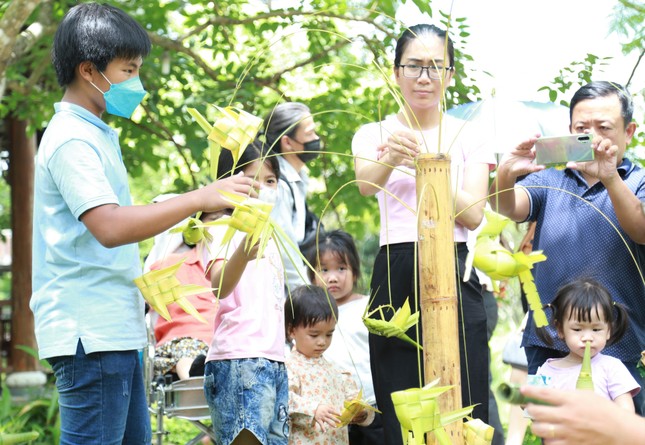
(594,90)
(578,299)
(98,34)
(283,120)
(307,306)
(420,30)
(340,244)
(256,150)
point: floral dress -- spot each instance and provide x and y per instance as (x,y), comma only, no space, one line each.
(313,381)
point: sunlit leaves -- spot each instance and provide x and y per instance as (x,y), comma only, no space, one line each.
(241,53)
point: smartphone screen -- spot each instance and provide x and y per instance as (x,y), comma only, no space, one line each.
(559,150)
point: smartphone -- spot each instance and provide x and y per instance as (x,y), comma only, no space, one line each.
(559,150)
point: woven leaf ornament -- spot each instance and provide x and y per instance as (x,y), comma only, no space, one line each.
(161,288)
(418,412)
(233,129)
(401,321)
(476,432)
(351,408)
(194,231)
(499,263)
(213,148)
(251,216)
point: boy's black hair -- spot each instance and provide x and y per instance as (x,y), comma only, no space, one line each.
(98,34)
(339,243)
(307,306)
(256,150)
(578,299)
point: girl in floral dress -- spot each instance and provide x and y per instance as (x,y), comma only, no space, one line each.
(317,389)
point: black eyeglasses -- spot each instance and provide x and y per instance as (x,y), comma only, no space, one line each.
(435,72)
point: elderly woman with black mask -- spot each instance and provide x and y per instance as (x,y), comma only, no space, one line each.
(290,132)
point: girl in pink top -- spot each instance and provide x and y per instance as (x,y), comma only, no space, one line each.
(245,379)
(583,311)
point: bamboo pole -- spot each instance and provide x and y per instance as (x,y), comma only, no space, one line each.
(437,282)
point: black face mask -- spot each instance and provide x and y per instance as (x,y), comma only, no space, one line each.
(310,150)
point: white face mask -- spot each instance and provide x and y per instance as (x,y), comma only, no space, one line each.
(267,194)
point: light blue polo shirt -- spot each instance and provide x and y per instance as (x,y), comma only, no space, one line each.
(81,290)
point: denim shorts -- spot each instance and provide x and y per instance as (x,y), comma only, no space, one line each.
(102,398)
(248,394)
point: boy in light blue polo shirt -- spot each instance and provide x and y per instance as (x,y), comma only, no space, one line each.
(89,315)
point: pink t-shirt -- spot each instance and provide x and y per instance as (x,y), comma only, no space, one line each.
(250,321)
(610,376)
(398,223)
(183,324)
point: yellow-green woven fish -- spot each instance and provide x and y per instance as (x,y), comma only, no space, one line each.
(401,321)
(161,288)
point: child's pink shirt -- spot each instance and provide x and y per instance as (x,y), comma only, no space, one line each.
(610,376)
(250,321)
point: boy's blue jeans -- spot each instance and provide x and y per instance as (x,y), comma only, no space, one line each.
(102,398)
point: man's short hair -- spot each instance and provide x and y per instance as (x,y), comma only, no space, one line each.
(594,90)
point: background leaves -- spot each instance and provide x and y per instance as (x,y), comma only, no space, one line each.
(334,55)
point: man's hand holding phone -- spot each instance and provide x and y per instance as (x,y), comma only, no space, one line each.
(605,163)
(520,160)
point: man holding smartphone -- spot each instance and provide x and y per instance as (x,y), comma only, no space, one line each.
(589,218)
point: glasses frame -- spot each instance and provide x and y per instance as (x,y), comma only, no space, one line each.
(431,70)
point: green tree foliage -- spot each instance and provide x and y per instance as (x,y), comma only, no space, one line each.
(627,22)
(333,55)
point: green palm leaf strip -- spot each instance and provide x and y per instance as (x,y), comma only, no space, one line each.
(584,379)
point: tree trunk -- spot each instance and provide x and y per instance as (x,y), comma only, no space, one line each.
(21,178)
(11,22)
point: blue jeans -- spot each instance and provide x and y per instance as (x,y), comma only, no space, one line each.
(102,398)
(537,355)
(250,394)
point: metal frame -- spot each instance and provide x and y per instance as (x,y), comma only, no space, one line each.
(182,399)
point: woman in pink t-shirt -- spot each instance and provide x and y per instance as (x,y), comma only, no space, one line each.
(424,66)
